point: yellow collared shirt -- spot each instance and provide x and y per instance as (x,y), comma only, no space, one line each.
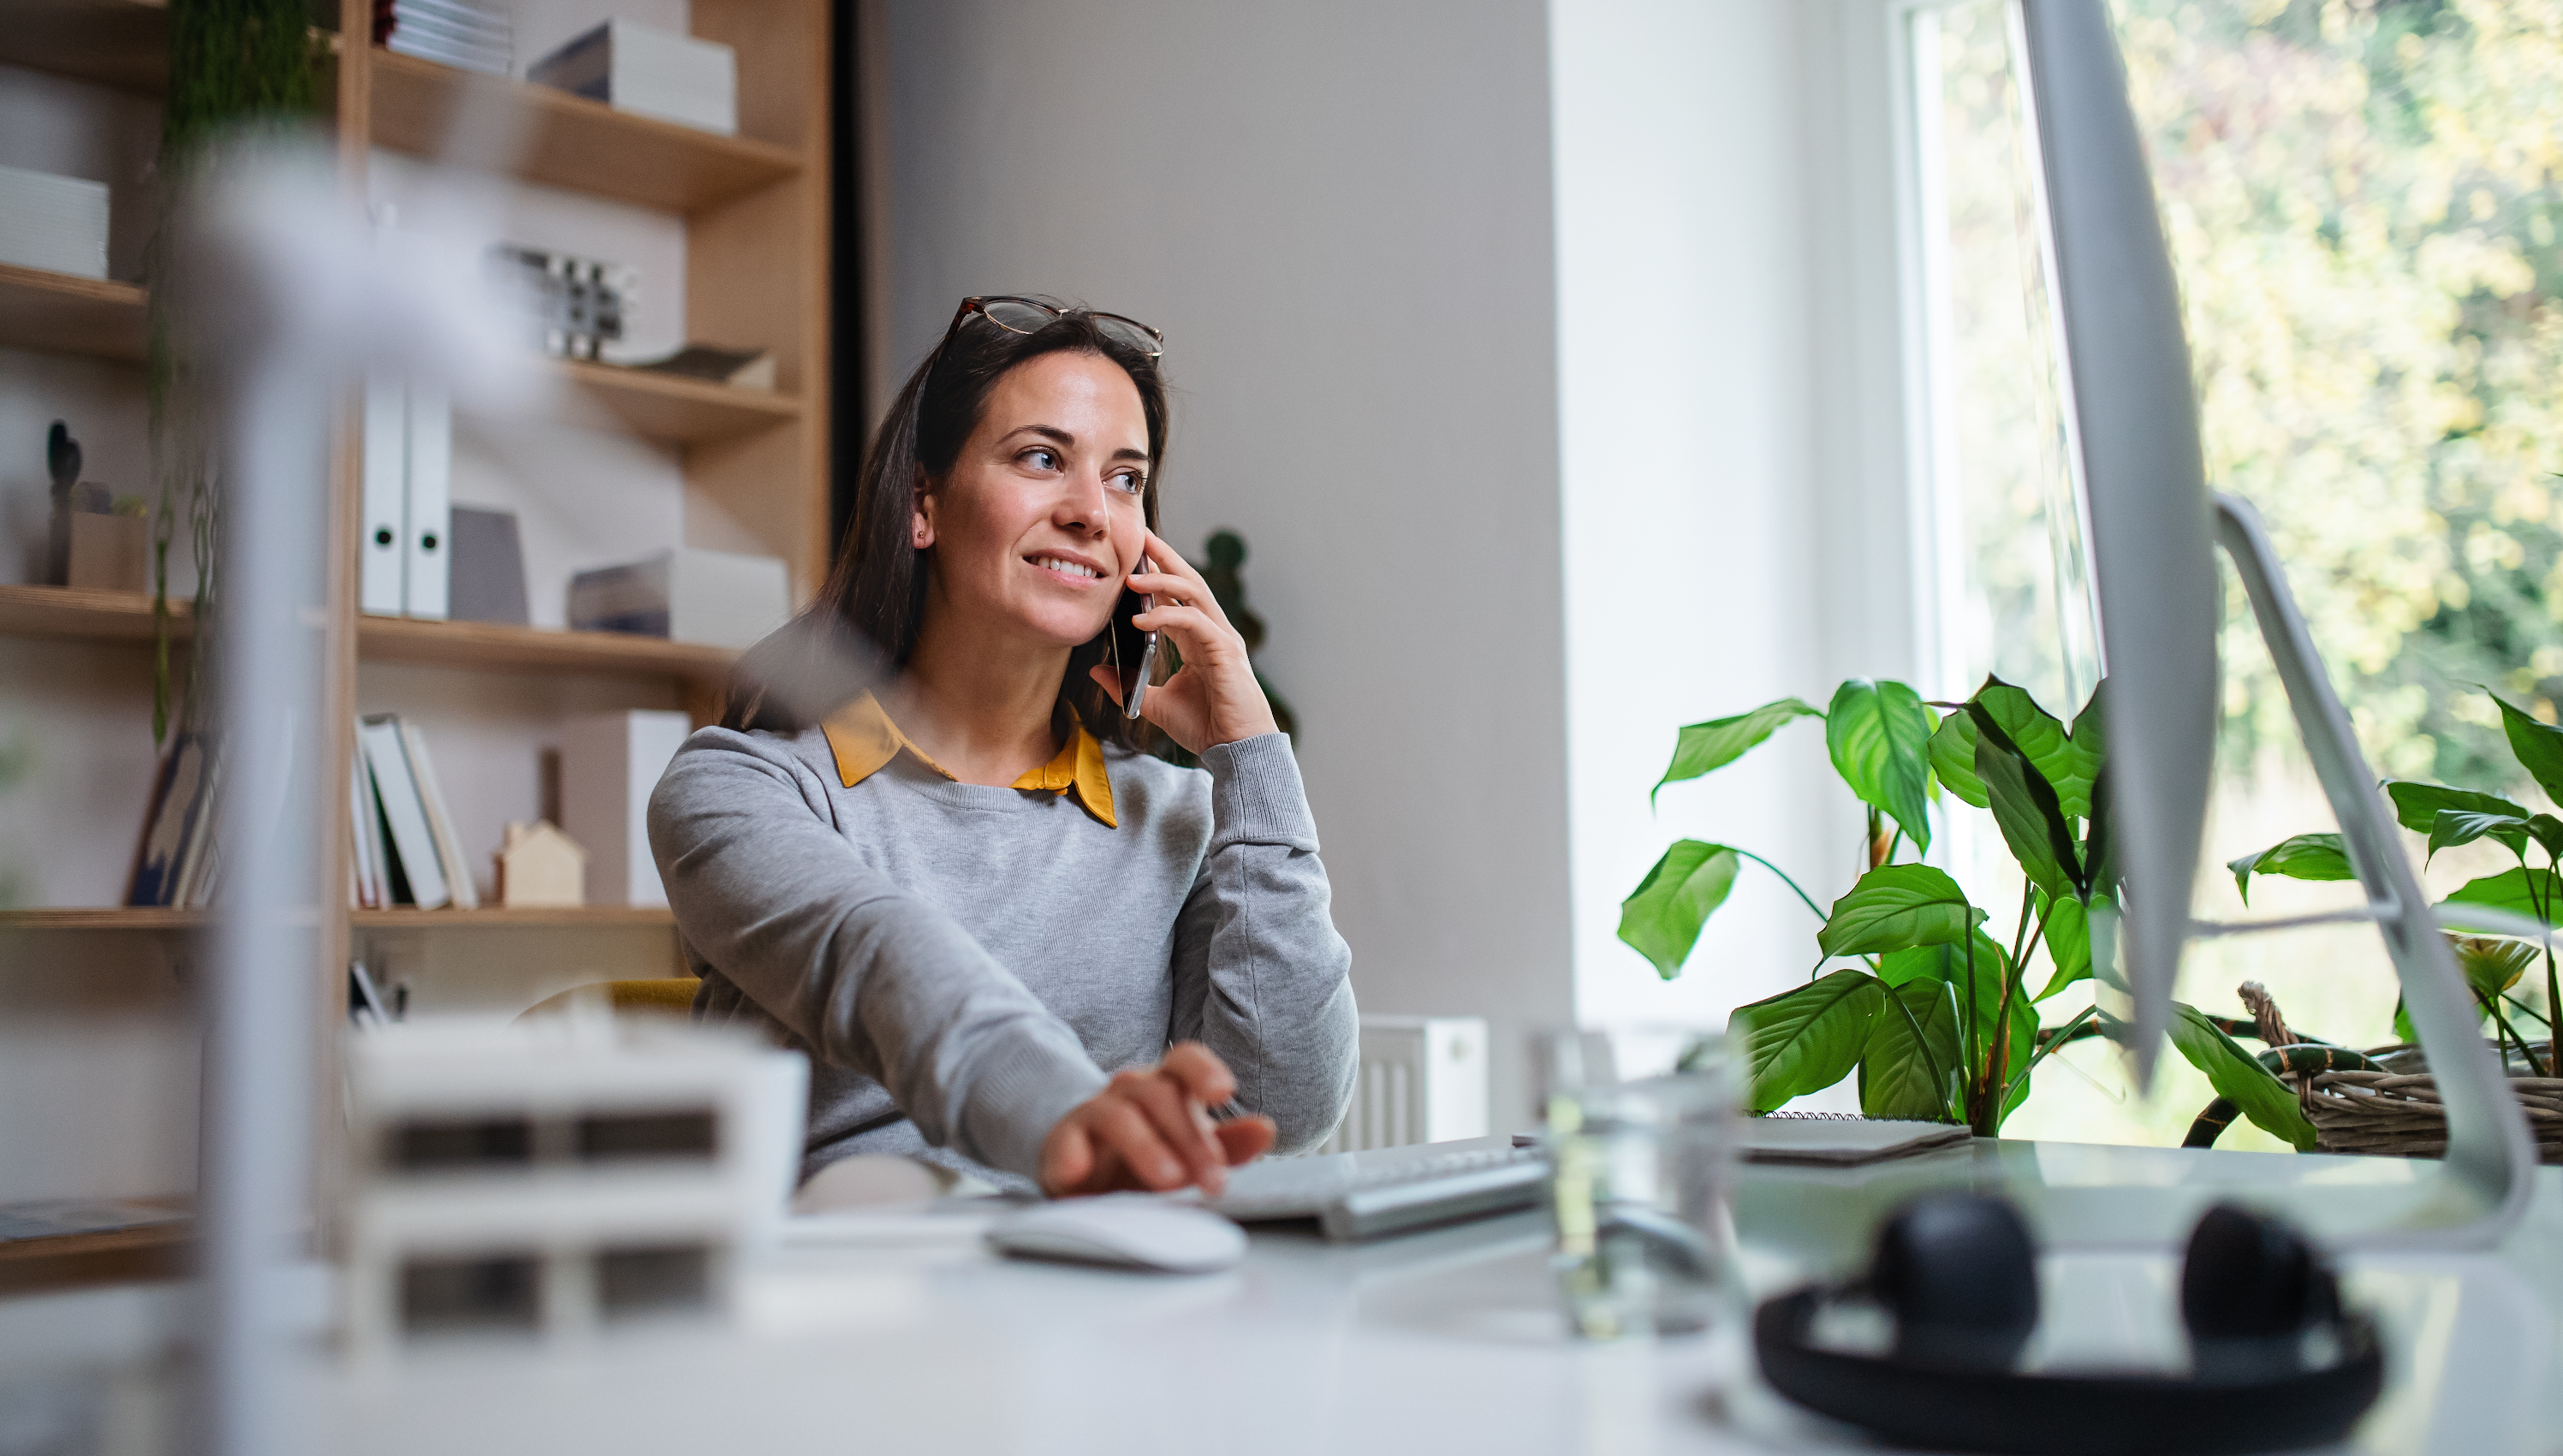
(864,740)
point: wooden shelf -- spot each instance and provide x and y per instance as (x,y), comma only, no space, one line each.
(59,611)
(570,917)
(491,645)
(493,125)
(123,44)
(675,409)
(567,917)
(104,917)
(58,313)
(63,612)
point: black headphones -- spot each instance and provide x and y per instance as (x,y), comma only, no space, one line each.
(1959,1274)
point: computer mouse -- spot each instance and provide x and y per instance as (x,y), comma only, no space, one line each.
(1124,1230)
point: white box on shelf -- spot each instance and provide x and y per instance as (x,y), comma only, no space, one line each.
(650,73)
(688,595)
(54,222)
(609,763)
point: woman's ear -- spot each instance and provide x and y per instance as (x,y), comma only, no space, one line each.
(921,531)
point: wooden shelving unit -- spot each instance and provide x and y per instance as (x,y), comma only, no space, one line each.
(58,313)
(754,209)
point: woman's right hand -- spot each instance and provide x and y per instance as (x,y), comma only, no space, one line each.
(1152,1130)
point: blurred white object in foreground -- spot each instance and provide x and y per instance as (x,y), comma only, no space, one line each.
(561,1176)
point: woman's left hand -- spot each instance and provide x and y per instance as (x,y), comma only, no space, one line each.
(1214,698)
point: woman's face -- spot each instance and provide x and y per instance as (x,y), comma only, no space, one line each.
(1040,519)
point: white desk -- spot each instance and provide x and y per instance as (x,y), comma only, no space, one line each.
(1443,1342)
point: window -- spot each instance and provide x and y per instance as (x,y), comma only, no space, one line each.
(2362,204)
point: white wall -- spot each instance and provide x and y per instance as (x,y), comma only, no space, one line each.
(1728,405)
(1338,212)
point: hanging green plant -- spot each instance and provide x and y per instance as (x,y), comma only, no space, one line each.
(230,62)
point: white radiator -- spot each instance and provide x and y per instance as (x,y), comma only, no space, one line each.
(1422,1080)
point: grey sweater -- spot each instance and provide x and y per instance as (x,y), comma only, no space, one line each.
(963,964)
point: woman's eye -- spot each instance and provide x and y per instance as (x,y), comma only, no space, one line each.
(1041,457)
(1129,483)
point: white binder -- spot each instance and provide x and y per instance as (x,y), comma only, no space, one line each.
(379,587)
(404,813)
(430,512)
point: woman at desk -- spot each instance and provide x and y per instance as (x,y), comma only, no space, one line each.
(1007,939)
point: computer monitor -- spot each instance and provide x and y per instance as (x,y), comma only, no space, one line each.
(2132,441)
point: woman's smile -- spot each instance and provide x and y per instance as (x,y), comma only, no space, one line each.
(1069,567)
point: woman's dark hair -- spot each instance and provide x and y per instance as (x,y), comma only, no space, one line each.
(864,622)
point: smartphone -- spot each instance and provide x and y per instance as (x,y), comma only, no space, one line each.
(1135,686)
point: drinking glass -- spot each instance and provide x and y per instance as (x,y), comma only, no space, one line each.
(1642,1135)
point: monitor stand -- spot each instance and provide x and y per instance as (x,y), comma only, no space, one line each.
(2479,1190)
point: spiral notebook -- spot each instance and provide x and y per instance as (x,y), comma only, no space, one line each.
(1839,1139)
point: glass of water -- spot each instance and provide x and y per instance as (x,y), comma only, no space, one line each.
(1642,1135)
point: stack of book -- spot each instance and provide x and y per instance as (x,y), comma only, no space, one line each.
(649,71)
(180,866)
(448,32)
(57,223)
(406,849)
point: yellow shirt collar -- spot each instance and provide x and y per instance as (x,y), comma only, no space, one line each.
(864,740)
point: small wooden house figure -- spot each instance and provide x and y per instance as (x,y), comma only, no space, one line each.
(539,865)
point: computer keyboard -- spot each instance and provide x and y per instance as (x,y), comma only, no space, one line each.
(1358,1196)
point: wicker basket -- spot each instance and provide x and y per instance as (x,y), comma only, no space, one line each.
(2396,1113)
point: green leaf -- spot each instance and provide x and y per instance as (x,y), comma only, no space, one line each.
(2519,891)
(2404,1030)
(2240,1078)
(1663,917)
(2069,942)
(1895,906)
(1978,1000)
(1878,734)
(1807,1039)
(2491,965)
(2305,857)
(2539,748)
(1706,746)
(1913,1067)
(2547,831)
(2091,732)
(2027,810)
(2455,826)
(2417,805)
(1953,757)
(2068,764)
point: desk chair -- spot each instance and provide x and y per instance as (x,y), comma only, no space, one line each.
(672,996)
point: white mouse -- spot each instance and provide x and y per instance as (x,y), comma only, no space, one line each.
(1129,1231)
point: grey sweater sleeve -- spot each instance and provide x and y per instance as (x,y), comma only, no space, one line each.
(1260,976)
(865,975)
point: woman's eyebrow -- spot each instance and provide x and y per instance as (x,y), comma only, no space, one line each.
(1056,435)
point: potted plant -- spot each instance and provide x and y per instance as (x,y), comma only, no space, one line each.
(1932,1011)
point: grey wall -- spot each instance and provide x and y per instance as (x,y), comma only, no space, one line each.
(1339,213)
